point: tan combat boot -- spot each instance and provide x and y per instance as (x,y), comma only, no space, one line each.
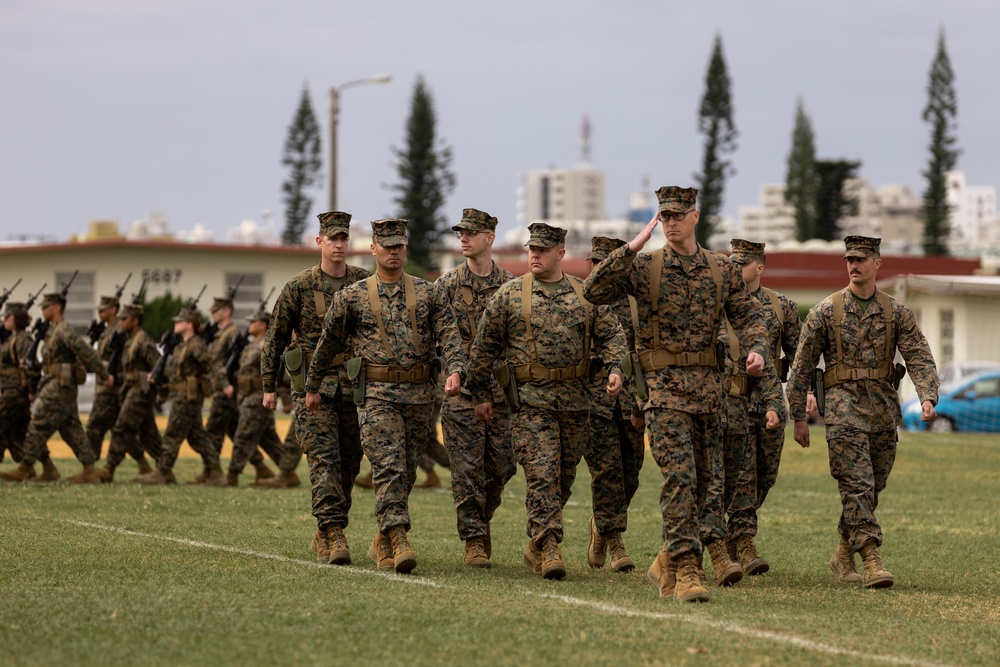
(283,480)
(320,546)
(662,575)
(232,479)
(107,473)
(216,478)
(748,557)
(364,481)
(876,576)
(620,560)
(597,548)
(532,557)
(475,553)
(339,553)
(403,558)
(727,573)
(156,478)
(144,466)
(200,479)
(842,563)
(49,472)
(88,475)
(380,552)
(22,473)
(263,472)
(688,588)
(432,481)
(552,560)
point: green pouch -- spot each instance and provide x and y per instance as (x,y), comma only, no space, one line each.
(293,363)
(509,385)
(631,370)
(356,374)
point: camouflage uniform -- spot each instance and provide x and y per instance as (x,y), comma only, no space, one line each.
(683,412)
(861,415)
(615,448)
(15,386)
(396,414)
(482,461)
(136,423)
(551,430)
(329,437)
(66,354)
(107,400)
(187,378)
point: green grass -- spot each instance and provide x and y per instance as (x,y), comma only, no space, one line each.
(224,576)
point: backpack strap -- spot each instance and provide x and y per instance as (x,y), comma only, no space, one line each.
(319,297)
(578,288)
(376,305)
(779,313)
(410,293)
(655,275)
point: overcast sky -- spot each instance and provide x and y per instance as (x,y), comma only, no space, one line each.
(112,109)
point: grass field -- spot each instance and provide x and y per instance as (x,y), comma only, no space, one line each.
(124,574)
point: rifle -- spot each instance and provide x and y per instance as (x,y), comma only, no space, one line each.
(97,328)
(4,334)
(208,335)
(116,345)
(168,341)
(239,344)
(41,327)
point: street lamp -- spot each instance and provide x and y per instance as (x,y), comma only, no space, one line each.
(334,112)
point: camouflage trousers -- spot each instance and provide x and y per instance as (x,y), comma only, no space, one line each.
(688,449)
(15,415)
(739,498)
(135,430)
(56,410)
(331,441)
(549,445)
(183,424)
(103,413)
(614,456)
(392,435)
(256,427)
(482,463)
(860,462)
(223,418)
(766,447)
(434,452)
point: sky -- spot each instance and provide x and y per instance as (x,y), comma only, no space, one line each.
(114,109)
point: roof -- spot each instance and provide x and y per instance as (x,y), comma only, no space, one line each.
(949,285)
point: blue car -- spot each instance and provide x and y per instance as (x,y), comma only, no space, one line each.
(971,404)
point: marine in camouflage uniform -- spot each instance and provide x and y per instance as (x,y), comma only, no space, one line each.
(616,447)
(256,425)
(395,347)
(17,385)
(675,343)
(551,364)
(65,361)
(482,461)
(858,331)
(781,317)
(330,436)
(135,428)
(187,383)
(224,413)
(107,402)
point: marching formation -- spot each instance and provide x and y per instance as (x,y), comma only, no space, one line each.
(679,347)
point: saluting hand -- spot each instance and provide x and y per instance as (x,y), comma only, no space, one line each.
(755,364)
(801,433)
(614,384)
(453,385)
(637,244)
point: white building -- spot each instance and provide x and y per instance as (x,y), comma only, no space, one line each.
(973,213)
(772,221)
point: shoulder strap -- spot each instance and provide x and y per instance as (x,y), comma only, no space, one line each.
(890,320)
(780,314)
(410,292)
(376,305)
(713,266)
(526,281)
(734,345)
(655,271)
(586,314)
(319,298)
(634,309)
(468,296)
(838,321)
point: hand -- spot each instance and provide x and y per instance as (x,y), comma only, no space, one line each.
(484,411)
(614,384)
(638,422)
(228,391)
(812,408)
(270,400)
(772,420)
(32,397)
(109,381)
(149,378)
(927,412)
(312,401)
(755,364)
(453,385)
(642,238)
(801,433)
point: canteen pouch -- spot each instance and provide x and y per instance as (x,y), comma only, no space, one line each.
(505,377)
(721,353)
(898,373)
(819,390)
(595,368)
(293,363)
(436,366)
(632,370)
(356,374)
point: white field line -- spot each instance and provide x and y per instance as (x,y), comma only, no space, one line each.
(611,610)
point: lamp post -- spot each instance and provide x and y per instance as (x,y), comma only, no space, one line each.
(334,112)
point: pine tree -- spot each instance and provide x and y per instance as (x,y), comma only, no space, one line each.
(302,157)
(801,181)
(831,202)
(425,179)
(940,112)
(715,121)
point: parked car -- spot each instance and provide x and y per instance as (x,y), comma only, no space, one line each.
(971,404)
(955,371)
